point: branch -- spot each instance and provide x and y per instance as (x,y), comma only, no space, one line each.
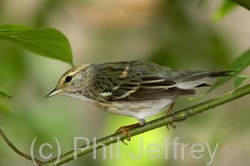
(115,138)
(18,151)
(179,116)
(243,3)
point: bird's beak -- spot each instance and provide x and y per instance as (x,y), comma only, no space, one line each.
(53,93)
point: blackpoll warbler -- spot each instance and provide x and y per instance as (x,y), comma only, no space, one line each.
(137,89)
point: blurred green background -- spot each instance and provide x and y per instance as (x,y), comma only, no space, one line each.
(179,34)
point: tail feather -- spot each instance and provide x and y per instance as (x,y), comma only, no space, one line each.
(192,79)
(202,85)
(219,73)
(203,74)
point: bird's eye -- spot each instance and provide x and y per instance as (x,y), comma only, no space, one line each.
(68,78)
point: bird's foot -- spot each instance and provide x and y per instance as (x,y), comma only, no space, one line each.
(124,130)
(170,111)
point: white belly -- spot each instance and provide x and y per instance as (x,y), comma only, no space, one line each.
(140,109)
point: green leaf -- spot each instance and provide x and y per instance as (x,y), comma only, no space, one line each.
(226,7)
(240,80)
(48,42)
(2,94)
(237,66)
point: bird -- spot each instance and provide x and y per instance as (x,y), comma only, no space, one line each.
(135,88)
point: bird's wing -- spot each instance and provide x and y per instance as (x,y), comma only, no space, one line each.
(134,86)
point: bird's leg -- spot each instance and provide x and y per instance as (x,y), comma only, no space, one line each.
(124,129)
(170,111)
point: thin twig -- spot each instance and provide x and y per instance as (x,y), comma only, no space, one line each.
(40,163)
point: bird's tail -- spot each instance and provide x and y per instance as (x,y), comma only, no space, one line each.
(216,74)
(191,79)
